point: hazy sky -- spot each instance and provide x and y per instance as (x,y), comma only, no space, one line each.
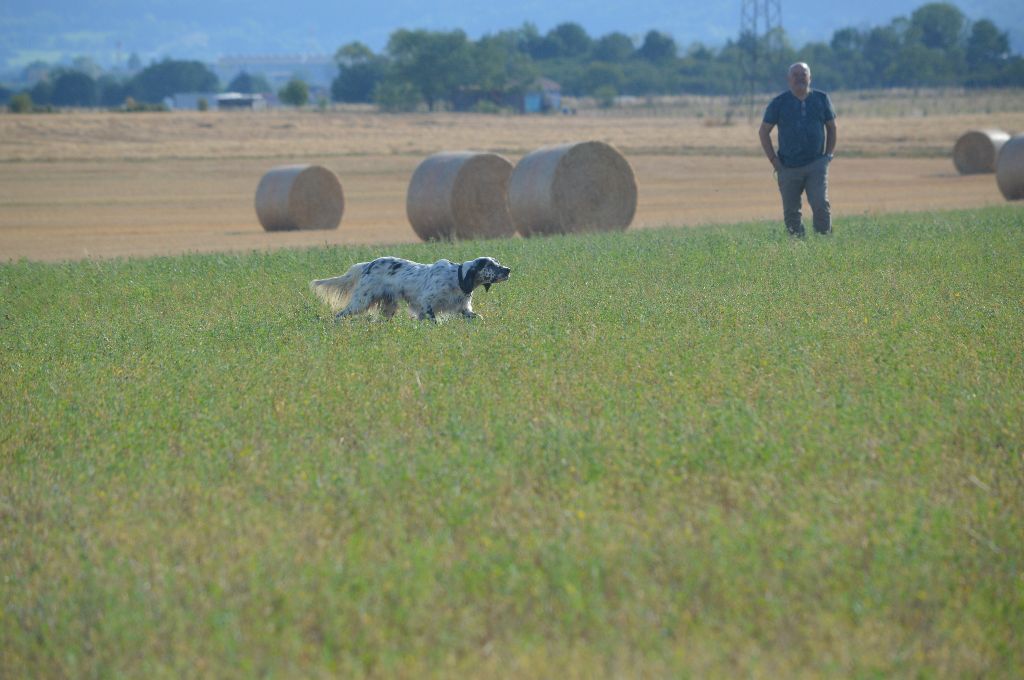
(59,29)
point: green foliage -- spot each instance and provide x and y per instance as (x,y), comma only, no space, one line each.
(657,47)
(112,91)
(498,65)
(614,48)
(42,92)
(484,106)
(359,73)
(706,452)
(397,97)
(988,50)
(605,96)
(935,46)
(938,26)
(247,83)
(130,105)
(434,63)
(570,40)
(602,76)
(294,93)
(162,79)
(20,103)
(73,88)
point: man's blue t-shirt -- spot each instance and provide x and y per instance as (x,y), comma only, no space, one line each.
(801,126)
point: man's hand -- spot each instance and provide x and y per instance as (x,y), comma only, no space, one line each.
(765,135)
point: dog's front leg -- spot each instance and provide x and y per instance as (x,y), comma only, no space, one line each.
(470,314)
(428,313)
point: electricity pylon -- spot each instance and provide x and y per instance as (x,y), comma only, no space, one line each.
(760,39)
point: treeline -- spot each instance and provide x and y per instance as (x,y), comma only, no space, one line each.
(84,85)
(935,46)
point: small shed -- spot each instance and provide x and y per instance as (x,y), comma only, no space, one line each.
(542,95)
(189,101)
(231,101)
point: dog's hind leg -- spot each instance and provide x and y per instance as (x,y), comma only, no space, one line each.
(359,303)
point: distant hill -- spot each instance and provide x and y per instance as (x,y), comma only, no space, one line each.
(110,30)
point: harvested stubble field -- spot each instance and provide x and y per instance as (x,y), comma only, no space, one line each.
(113,184)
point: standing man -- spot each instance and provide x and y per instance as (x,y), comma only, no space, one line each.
(807,139)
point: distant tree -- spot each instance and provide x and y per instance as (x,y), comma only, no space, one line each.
(640,78)
(294,93)
(844,59)
(21,103)
(938,25)
(882,46)
(918,65)
(434,63)
(572,39)
(359,72)
(605,96)
(529,40)
(498,66)
(42,93)
(395,96)
(247,83)
(600,75)
(168,77)
(987,47)
(112,91)
(657,47)
(87,66)
(5,94)
(613,48)
(73,88)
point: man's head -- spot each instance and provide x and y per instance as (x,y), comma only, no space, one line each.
(799,79)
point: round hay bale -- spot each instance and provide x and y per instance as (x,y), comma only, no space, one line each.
(976,151)
(1010,169)
(299,197)
(460,195)
(570,188)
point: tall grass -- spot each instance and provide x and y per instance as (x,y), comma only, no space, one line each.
(666,452)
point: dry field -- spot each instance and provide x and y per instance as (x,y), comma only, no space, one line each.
(103,184)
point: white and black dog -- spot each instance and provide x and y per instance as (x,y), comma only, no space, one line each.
(430,289)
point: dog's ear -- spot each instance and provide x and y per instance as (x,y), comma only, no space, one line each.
(472,272)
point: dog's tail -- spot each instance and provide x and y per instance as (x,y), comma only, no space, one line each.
(337,291)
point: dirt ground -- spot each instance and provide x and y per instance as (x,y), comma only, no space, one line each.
(108,184)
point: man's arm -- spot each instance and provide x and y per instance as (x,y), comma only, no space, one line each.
(765,133)
(830,137)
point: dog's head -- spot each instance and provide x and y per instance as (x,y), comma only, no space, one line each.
(483,271)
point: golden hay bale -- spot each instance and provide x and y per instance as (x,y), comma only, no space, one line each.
(299,197)
(460,195)
(1010,169)
(570,188)
(976,151)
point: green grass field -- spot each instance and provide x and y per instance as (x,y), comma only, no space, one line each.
(680,453)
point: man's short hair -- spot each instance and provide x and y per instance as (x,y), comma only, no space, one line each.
(801,64)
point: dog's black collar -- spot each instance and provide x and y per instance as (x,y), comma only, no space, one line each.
(463,283)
